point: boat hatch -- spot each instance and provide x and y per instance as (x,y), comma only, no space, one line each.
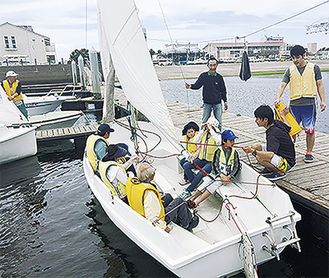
(249,258)
(274,247)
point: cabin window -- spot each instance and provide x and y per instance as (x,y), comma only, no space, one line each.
(6,41)
(13,41)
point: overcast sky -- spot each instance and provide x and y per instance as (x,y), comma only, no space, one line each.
(72,24)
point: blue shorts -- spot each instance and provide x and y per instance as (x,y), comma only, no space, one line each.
(305,115)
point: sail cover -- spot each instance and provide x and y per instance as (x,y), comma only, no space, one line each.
(122,35)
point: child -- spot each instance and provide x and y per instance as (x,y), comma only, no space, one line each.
(225,165)
(190,130)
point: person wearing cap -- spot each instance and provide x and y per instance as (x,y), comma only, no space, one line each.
(96,145)
(209,136)
(225,165)
(160,209)
(278,155)
(213,92)
(190,130)
(113,171)
(13,89)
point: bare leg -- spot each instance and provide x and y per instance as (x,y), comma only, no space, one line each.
(310,139)
(204,196)
(264,158)
(196,195)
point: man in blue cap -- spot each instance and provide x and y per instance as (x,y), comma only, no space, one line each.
(96,145)
(225,165)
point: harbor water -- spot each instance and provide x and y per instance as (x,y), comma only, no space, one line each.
(53,226)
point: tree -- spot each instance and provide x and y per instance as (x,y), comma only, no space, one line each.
(76,53)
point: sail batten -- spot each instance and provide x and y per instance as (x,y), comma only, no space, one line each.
(122,36)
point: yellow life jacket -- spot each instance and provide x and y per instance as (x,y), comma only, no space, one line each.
(302,85)
(90,148)
(11,91)
(207,152)
(224,163)
(191,147)
(117,188)
(136,193)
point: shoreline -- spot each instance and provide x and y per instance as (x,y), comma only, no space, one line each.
(230,69)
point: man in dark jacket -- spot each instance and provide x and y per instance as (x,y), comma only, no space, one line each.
(213,92)
(278,155)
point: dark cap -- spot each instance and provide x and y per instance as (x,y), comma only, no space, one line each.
(103,128)
(125,146)
(228,135)
(114,151)
(188,126)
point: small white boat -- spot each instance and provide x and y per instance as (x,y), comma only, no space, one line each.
(17,136)
(56,119)
(44,104)
(252,219)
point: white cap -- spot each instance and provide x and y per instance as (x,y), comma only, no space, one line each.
(11,73)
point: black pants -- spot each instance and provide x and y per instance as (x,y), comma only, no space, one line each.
(180,213)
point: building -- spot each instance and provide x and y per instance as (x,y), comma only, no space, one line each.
(22,46)
(312,47)
(182,52)
(269,48)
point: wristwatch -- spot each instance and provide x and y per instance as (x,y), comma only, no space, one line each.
(254,153)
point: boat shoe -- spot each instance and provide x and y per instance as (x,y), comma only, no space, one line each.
(194,222)
(265,172)
(275,176)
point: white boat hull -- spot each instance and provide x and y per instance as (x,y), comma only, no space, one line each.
(56,119)
(42,105)
(213,249)
(16,143)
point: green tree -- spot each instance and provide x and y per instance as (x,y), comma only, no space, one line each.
(76,53)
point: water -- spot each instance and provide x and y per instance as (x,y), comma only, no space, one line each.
(52,225)
(244,97)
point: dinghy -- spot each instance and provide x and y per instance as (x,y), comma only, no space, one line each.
(17,136)
(44,104)
(246,223)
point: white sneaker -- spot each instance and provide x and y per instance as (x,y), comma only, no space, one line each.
(183,181)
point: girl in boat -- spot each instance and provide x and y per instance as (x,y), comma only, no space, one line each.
(190,131)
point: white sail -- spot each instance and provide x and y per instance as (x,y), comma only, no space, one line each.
(122,33)
(10,114)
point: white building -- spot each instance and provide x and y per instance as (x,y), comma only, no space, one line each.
(22,46)
(312,47)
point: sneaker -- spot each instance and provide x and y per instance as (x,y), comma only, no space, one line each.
(265,172)
(309,158)
(191,204)
(194,222)
(185,194)
(275,176)
(183,181)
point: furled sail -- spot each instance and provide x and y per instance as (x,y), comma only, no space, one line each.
(121,32)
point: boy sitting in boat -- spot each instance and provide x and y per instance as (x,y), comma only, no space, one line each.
(225,165)
(278,155)
(158,208)
(96,145)
(113,171)
(190,130)
(209,136)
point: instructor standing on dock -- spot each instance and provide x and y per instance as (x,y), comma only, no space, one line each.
(213,92)
(305,82)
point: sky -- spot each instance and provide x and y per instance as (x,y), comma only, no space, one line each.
(72,24)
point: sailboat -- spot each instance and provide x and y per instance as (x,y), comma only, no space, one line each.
(17,136)
(255,219)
